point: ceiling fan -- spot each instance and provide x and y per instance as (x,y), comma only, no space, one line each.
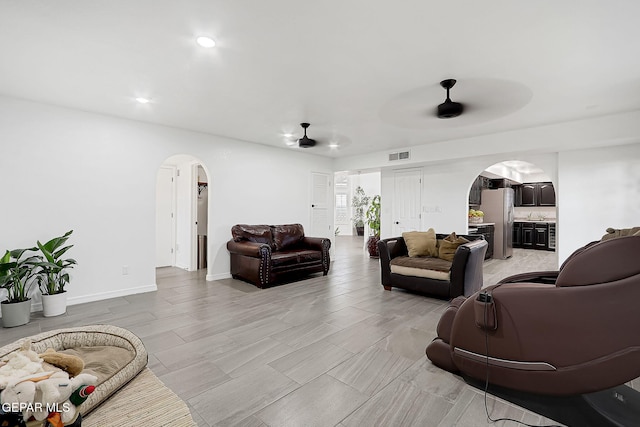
(449,109)
(305,141)
(332,140)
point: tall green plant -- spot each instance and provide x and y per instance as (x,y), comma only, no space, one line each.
(18,272)
(373,215)
(53,274)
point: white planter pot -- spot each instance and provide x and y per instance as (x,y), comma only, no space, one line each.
(54,305)
(15,314)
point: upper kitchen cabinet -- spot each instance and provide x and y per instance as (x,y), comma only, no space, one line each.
(535,194)
(526,195)
(547,194)
(475,194)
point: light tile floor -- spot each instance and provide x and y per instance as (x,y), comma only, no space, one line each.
(334,350)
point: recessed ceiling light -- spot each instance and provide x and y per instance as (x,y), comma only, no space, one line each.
(206,41)
(142,100)
(288,135)
(334,144)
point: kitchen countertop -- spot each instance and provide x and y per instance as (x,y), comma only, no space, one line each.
(550,221)
(472,224)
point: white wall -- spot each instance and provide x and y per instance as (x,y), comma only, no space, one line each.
(65,169)
(593,132)
(600,188)
(369,181)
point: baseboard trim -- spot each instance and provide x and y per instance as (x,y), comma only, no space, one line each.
(219,276)
(111,294)
(37,305)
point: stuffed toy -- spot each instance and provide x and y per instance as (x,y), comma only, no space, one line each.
(18,397)
(69,363)
(83,385)
(58,393)
(20,364)
(47,387)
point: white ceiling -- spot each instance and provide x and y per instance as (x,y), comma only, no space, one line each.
(365,73)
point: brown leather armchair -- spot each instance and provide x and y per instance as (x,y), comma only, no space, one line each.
(266,254)
(559,333)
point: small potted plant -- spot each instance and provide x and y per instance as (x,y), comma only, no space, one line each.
(359,203)
(373,220)
(54,275)
(18,270)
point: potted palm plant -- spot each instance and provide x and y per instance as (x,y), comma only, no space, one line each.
(17,274)
(54,275)
(373,220)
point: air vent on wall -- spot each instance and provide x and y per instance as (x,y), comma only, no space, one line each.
(402,155)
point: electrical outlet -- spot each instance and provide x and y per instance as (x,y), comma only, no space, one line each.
(125,270)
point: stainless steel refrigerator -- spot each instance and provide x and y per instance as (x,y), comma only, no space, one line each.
(497,206)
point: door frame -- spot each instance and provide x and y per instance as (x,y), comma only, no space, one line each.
(174,206)
(193,262)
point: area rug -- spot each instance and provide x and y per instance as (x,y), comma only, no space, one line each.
(144,401)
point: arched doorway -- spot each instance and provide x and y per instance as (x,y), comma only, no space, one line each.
(513,204)
(181,213)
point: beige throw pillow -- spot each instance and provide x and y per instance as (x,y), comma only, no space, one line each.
(421,243)
(448,246)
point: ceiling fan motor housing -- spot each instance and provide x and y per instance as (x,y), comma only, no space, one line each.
(449,109)
(306,142)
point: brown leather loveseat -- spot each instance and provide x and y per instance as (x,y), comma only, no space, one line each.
(266,254)
(557,333)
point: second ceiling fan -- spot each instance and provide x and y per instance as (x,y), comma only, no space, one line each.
(449,109)
(305,141)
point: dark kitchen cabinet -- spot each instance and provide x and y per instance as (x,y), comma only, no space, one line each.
(487,232)
(528,235)
(535,194)
(517,235)
(492,184)
(532,235)
(541,233)
(546,194)
(475,193)
(528,193)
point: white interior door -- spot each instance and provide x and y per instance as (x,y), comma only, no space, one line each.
(321,193)
(406,200)
(165,217)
